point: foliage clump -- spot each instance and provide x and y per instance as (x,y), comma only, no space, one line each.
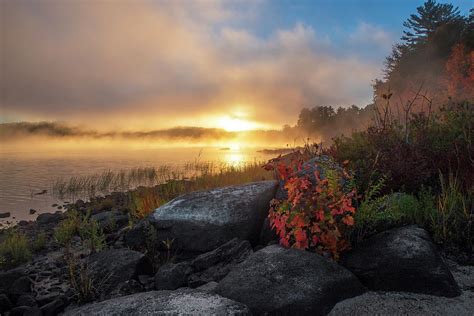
(14,250)
(318,212)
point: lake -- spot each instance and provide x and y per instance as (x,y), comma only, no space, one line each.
(27,172)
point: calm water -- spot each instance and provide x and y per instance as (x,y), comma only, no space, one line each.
(24,173)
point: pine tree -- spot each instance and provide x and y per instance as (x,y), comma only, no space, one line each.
(429,17)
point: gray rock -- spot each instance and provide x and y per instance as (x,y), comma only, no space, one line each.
(5,215)
(172,276)
(113,266)
(48,218)
(216,264)
(109,218)
(25,311)
(400,303)
(7,278)
(208,287)
(26,300)
(21,286)
(54,307)
(201,221)
(276,280)
(401,259)
(180,302)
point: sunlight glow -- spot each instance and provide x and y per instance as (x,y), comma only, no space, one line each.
(235,124)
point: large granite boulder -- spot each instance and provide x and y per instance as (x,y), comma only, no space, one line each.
(180,302)
(401,259)
(403,303)
(202,221)
(276,280)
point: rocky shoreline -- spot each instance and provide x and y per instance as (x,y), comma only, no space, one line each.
(213,253)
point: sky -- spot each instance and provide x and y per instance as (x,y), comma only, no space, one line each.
(146,65)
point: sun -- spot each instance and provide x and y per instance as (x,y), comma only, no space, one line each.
(235,124)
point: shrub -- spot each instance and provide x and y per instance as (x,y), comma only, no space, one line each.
(14,250)
(92,235)
(67,228)
(318,211)
(39,242)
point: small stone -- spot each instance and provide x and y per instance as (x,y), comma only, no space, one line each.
(26,300)
(5,215)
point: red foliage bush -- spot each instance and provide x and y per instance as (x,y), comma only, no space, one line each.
(317,214)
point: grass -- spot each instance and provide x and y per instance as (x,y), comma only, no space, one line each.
(204,174)
(14,250)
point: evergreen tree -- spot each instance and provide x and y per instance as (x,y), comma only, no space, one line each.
(429,17)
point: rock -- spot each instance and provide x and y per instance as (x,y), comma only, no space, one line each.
(201,221)
(400,303)
(5,215)
(267,234)
(276,280)
(5,303)
(180,302)
(7,278)
(210,266)
(208,287)
(401,259)
(54,307)
(126,288)
(109,218)
(216,264)
(48,218)
(25,311)
(113,266)
(26,300)
(21,286)
(172,276)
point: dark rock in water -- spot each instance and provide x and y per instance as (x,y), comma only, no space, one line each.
(48,218)
(32,211)
(402,303)
(283,281)
(26,300)
(401,259)
(201,221)
(172,276)
(267,235)
(114,266)
(180,302)
(5,303)
(5,215)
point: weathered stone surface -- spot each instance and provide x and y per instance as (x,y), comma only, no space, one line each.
(26,300)
(180,302)
(114,266)
(7,278)
(277,280)
(201,221)
(401,259)
(172,276)
(5,303)
(401,303)
(207,267)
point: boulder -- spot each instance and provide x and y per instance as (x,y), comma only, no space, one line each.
(5,303)
(7,278)
(402,303)
(109,218)
(172,276)
(180,302)
(210,266)
(401,259)
(114,266)
(216,264)
(276,280)
(49,218)
(202,221)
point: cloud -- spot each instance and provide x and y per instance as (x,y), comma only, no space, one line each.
(371,35)
(130,64)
